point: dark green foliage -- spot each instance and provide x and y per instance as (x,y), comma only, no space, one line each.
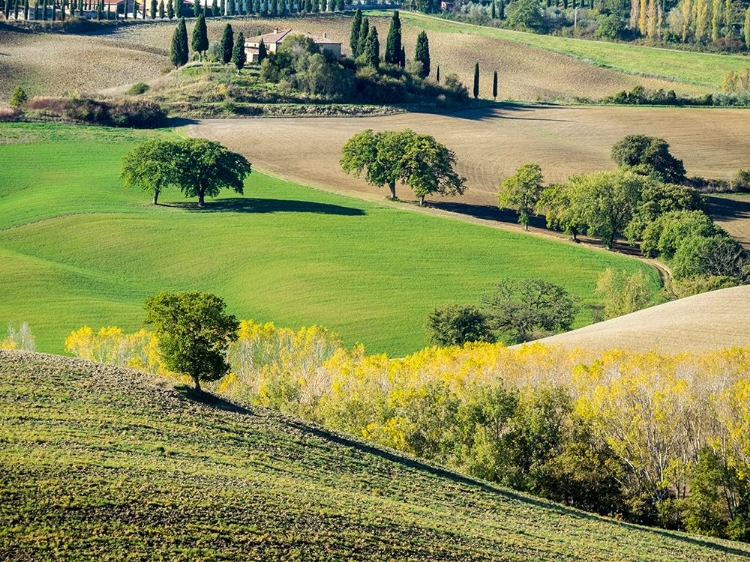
(262,53)
(154,8)
(227,44)
(610,27)
(178,8)
(422,53)
(393,42)
(437,74)
(402,58)
(522,310)
(161,9)
(418,161)
(526,15)
(151,167)
(476,80)
(650,154)
(194,333)
(371,54)
(239,56)
(494,85)
(713,256)
(214,8)
(197,10)
(274,8)
(200,36)
(179,54)
(656,200)
(494,13)
(18,97)
(364,32)
(138,88)
(308,6)
(7,9)
(455,324)
(170,9)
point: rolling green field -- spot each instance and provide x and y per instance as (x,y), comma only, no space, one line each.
(100,463)
(704,69)
(78,249)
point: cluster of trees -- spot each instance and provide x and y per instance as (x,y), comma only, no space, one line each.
(642,201)
(648,438)
(736,92)
(516,311)
(197,167)
(714,24)
(418,161)
(19,338)
(230,50)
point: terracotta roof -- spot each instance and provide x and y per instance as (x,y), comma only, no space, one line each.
(278,36)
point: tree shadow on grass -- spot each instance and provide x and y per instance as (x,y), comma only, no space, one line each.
(211,400)
(260,206)
(501,110)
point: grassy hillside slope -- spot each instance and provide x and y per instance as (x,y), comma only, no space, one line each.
(78,249)
(107,464)
(686,67)
(715,320)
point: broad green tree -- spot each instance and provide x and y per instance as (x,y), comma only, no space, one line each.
(150,166)
(200,35)
(227,44)
(393,42)
(194,333)
(650,155)
(456,324)
(206,167)
(239,56)
(422,53)
(623,292)
(521,192)
(418,161)
(179,51)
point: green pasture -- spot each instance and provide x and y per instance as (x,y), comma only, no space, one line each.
(77,249)
(703,69)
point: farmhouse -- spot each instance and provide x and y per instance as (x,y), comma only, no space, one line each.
(273,41)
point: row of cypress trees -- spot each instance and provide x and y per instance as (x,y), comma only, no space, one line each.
(364,43)
(231,50)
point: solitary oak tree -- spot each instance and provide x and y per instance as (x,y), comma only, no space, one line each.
(194,333)
(150,166)
(522,192)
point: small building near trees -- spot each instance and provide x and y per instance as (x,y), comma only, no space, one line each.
(274,40)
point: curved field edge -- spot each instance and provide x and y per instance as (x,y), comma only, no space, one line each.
(106,463)
(703,69)
(77,249)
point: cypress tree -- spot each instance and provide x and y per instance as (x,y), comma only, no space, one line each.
(354,34)
(476,80)
(197,8)
(227,44)
(437,74)
(170,9)
(422,54)
(238,54)
(26,10)
(109,11)
(256,5)
(63,5)
(501,9)
(178,8)
(494,85)
(364,31)
(200,36)
(372,48)
(308,6)
(316,6)
(747,28)
(230,7)
(274,8)
(44,10)
(161,9)
(15,11)
(262,52)
(250,7)
(494,14)
(154,7)
(178,54)
(222,8)
(143,11)
(214,8)
(393,42)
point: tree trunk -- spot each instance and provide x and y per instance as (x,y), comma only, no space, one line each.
(156,197)
(197,384)
(526,226)
(392,187)
(421,201)
(201,199)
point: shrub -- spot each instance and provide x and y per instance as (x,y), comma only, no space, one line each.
(610,27)
(456,324)
(139,114)
(18,97)
(138,89)
(623,293)
(706,256)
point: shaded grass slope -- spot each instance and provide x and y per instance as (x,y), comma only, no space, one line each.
(109,464)
(76,248)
